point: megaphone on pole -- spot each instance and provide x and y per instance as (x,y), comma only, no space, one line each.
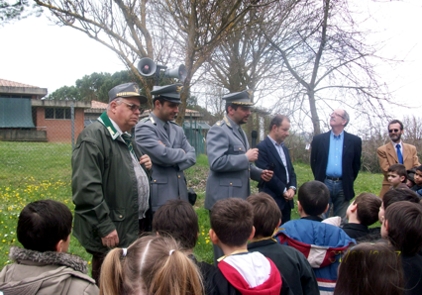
(179,73)
(147,67)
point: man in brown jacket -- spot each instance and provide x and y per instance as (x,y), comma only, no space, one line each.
(43,267)
(395,152)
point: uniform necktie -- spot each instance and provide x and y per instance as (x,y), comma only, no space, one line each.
(399,155)
(242,135)
(128,140)
(167,128)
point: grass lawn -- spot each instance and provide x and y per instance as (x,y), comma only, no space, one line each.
(34,171)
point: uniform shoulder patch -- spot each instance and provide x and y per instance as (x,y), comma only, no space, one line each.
(144,120)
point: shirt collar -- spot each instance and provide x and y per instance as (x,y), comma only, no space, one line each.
(274,142)
(397,143)
(340,136)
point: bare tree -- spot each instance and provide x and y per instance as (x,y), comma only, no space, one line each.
(326,61)
(162,30)
(245,59)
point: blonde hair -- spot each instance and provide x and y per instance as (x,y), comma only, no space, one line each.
(152,265)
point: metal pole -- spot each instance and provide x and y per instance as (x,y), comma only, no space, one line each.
(72,118)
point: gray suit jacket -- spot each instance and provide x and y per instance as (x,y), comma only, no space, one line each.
(169,159)
(230,169)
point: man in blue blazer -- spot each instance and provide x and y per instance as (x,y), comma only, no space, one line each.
(273,154)
(335,160)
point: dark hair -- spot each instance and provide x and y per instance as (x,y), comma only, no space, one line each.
(42,224)
(266,214)
(177,219)
(370,268)
(234,106)
(399,194)
(405,226)
(232,221)
(368,206)
(395,121)
(277,121)
(314,197)
(160,99)
(399,169)
(419,168)
(152,264)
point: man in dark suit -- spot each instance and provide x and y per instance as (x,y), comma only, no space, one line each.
(335,160)
(273,154)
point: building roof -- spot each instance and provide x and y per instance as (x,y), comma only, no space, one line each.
(15,89)
(8,83)
(97,107)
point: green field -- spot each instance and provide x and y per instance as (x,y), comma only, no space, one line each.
(34,171)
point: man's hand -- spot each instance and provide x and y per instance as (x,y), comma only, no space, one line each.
(266,175)
(111,240)
(252,155)
(289,194)
(146,160)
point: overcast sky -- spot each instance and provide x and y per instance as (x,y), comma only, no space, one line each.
(37,53)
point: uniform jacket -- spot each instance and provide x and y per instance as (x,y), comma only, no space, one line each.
(169,159)
(104,187)
(45,273)
(275,187)
(352,151)
(292,265)
(321,243)
(387,156)
(230,169)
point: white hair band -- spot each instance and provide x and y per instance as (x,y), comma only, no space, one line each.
(171,252)
(124,250)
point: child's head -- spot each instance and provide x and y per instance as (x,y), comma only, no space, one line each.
(402,226)
(313,197)
(418,175)
(232,221)
(266,214)
(396,195)
(178,219)
(45,225)
(151,265)
(370,268)
(411,177)
(366,206)
(396,174)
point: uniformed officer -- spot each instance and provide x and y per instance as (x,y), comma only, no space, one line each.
(165,142)
(229,156)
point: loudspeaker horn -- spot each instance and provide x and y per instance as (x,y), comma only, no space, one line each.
(179,73)
(146,67)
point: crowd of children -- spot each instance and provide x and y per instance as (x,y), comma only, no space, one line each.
(261,255)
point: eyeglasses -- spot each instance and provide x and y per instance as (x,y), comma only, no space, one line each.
(336,114)
(393,130)
(133,107)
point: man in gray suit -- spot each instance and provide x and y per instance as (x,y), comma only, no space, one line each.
(165,142)
(229,156)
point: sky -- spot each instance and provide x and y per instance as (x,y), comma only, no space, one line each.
(36,52)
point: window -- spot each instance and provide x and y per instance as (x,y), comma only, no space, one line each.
(57,113)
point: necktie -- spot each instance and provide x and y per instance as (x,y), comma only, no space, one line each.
(399,155)
(167,128)
(242,135)
(128,140)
